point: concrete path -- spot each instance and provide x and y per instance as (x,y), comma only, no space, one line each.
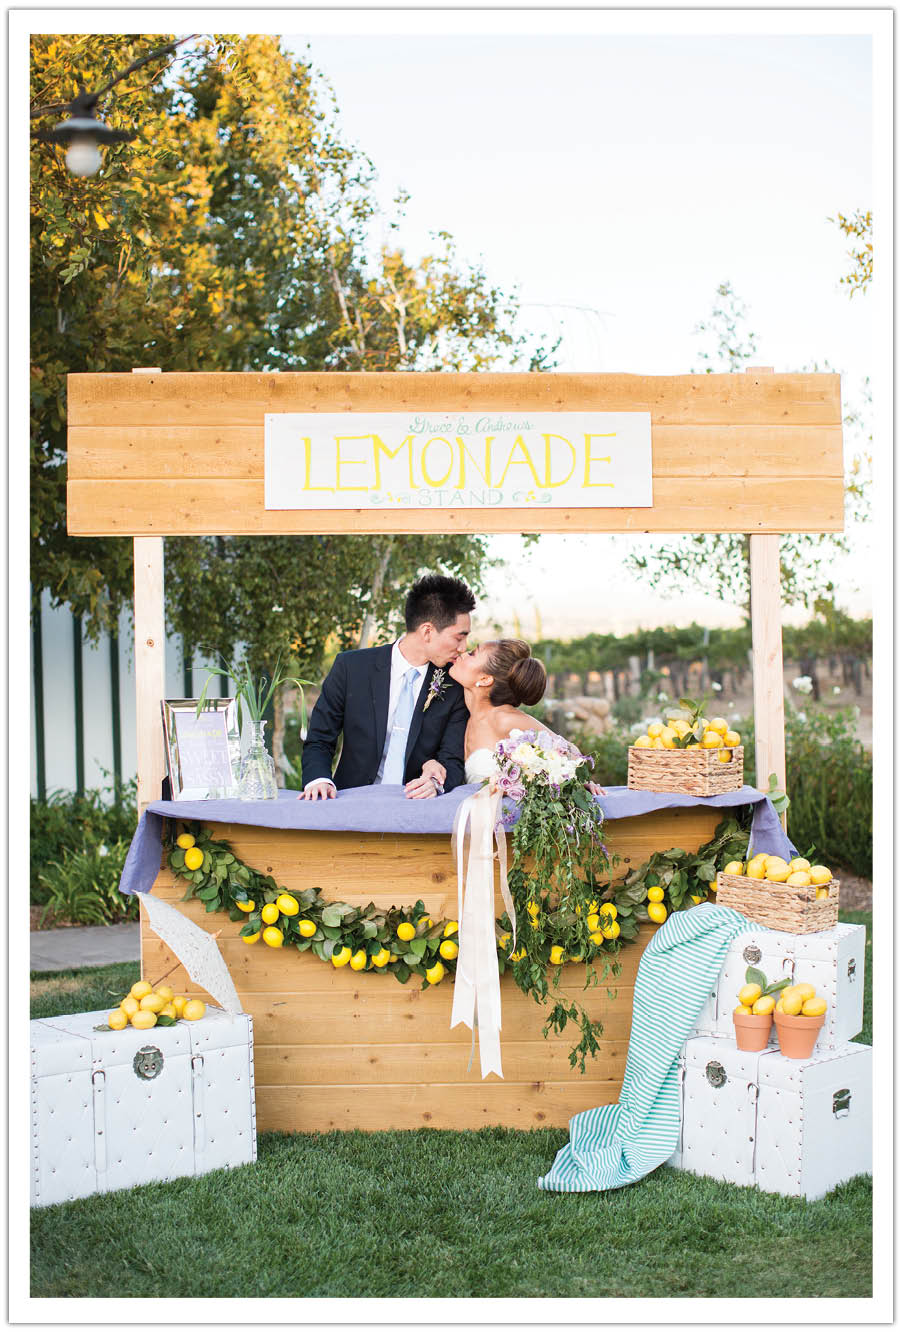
(85,946)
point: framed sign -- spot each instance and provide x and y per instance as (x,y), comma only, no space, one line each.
(198,752)
(458,460)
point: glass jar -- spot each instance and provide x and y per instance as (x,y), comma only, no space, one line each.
(257,768)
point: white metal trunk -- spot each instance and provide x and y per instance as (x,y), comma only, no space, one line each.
(834,961)
(796,1127)
(111,1109)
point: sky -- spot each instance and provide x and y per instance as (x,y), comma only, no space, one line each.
(614,182)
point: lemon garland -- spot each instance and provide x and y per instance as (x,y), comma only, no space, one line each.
(400,940)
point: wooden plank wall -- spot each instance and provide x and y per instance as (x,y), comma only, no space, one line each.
(159,454)
(341,1049)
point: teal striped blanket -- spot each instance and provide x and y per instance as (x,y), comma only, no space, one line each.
(614,1145)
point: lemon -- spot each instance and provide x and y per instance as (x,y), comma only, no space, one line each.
(451,927)
(764,1005)
(799,863)
(821,892)
(732,739)
(143,1019)
(658,743)
(743,1010)
(597,938)
(695,899)
(593,905)
(655,729)
(749,993)
(287,904)
(668,736)
(381,958)
(734,867)
(799,879)
(577,957)
(819,874)
(246,906)
(724,756)
(643,742)
(129,1005)
(269,913)
(392,957)
(718,724)
(756,871)
(340,957)
(425,921)
(434,975)
(593,921)
(611,929)
(358,960)
(178,1004)
(166,991)
(194,1010)
(140,988)
(557,955)
(272,936)
(791,1002)
(117,1019)
(693,746)
(153,1002)
(406,931)
(448,949)
(779,1007)
(193,858)
(609,909)
(711,740)
(655,893)
(503,940)
(775,862)
(777,875)
(251,938)
(814,1008)
(307,928)
(805,990)
(657,912)
(680,726)
(518,955)
(168,1011)
(185,841)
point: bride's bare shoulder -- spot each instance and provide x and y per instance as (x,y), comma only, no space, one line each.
(508,719)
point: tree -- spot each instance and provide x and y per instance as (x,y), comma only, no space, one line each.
(232,233)
(718,564)
(857,226)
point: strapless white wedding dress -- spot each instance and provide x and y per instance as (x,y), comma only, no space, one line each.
(480,765)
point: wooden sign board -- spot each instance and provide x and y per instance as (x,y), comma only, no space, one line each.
(179,454)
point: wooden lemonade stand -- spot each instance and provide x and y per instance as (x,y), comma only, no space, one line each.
(153,454)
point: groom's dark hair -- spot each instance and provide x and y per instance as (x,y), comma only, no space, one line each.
(437,599)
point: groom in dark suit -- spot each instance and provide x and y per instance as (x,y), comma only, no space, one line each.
(402,717)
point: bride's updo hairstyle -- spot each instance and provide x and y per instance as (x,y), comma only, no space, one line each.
(518,676)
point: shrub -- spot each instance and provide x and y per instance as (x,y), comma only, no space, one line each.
(829,781)
(629,710)
(78,847)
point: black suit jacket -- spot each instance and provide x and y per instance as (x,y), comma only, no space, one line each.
(354,699)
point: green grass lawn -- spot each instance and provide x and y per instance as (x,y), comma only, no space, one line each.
(432,1213)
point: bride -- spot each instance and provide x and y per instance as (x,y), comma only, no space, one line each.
(496,678)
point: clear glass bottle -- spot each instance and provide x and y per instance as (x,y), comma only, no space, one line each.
(258,768)
(234,754)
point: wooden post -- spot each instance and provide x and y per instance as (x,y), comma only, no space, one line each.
(149,661)
(768,667)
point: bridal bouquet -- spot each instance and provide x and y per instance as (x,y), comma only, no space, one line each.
(559,872)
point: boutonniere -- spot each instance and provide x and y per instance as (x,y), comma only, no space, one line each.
(436,687)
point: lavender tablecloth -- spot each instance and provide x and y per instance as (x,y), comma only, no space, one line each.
(384,809)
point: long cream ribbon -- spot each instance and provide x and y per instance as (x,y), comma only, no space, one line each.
(476,993)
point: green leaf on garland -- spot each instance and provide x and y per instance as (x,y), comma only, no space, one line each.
(418,946)
(302,945)
(332,932)
(332,915)
(402,972)
(369,929)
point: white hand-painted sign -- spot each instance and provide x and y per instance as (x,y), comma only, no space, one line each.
(391,460)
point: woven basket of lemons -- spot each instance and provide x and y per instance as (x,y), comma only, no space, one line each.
(784,895)
(688,754)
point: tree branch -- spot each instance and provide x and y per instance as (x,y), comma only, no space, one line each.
(117,78)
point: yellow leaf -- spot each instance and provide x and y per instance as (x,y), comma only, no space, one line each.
(100,220)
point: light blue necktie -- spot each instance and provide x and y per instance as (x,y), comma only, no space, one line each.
(395,754)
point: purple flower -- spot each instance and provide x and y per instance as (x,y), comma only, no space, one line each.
(514,771)
(516,791)
(570,827)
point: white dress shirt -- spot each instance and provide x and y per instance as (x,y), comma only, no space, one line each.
(399,667)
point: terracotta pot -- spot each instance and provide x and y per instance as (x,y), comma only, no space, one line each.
(751,1030)
(797,1035)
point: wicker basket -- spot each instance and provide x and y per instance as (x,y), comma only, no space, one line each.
(796,910)
(696,772)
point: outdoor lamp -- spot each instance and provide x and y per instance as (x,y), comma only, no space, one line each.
(85,135)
